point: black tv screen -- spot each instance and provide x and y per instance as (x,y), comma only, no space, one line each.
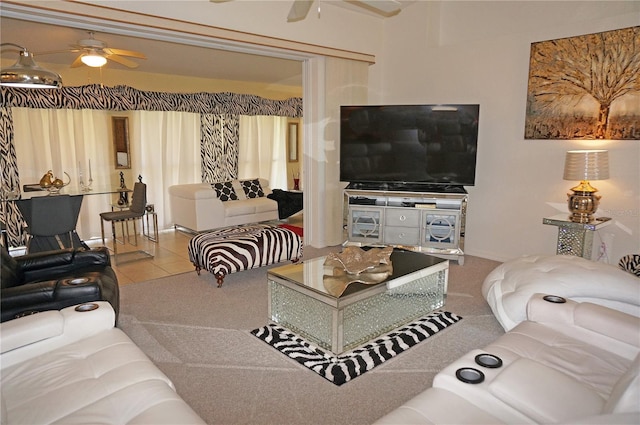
(409,144)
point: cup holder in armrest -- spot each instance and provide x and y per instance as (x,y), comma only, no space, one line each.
(554,299)
(26,313)
(488,360)
(77,281)
(469,375)
(86,307)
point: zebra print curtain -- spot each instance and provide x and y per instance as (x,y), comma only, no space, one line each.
(219,132)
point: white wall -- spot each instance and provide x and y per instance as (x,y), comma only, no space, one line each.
(478,52)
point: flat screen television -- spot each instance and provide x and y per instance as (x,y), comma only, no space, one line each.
(409,146)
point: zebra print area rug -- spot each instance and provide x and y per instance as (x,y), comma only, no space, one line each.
(351,364)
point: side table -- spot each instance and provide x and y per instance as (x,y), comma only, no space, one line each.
(150,211)
(575,238)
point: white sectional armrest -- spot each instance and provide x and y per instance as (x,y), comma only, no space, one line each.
(595,318)
(33,335)
(31,329)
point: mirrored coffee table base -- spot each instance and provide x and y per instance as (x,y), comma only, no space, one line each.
(298,301)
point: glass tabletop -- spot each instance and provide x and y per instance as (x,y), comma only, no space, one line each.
(310,273)
(71,190)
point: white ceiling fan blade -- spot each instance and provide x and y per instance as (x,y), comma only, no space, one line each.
(51,52)
(299,10)
(122,61)
(131,53)
(381,7)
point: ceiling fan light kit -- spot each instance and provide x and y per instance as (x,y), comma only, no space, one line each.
(93,59)
(25,73)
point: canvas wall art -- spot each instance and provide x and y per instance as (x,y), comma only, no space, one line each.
(585,87)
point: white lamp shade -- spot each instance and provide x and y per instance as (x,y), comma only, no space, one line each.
(586,165)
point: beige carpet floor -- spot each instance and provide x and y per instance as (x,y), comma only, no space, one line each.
(198,334)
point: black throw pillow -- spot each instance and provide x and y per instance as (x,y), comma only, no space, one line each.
(252,188)
(225,191)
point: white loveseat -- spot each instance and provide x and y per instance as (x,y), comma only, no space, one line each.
(197,206)
(567,362)
(73,366)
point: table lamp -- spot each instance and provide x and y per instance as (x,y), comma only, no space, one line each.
(585,165)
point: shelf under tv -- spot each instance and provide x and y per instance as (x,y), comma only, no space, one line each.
(407,187)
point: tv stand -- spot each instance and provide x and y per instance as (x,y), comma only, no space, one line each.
(429,221)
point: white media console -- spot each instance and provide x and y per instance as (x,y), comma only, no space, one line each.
(431,222)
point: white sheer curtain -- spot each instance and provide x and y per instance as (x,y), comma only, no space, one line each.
(65,140)
(165,150)
(262,149)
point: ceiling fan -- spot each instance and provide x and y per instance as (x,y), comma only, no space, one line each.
(96,53)
(300,8)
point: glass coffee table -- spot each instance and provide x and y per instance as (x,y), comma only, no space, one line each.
(298,300)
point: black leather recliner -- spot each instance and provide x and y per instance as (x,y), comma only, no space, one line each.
(52,280)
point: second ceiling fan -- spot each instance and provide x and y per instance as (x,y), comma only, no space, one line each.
(96,53)
(91,48)
(300,8)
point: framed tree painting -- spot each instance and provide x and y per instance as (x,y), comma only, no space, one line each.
(585,87)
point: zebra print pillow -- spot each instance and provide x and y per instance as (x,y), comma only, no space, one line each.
(252,188)
(225,191)
(631,264)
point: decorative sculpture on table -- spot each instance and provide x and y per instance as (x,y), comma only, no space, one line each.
(354,264)
(53,184)
(46,180)
(124,192)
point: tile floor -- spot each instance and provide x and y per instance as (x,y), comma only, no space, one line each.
(170,255)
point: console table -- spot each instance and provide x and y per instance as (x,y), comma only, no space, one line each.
(430,222)
(575,238)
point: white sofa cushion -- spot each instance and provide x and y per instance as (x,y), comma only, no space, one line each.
(248,207)
(544,394)
(625,396)
(438,406)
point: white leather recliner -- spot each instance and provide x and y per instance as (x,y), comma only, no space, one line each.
(510,285)
(74,366)
(568,362)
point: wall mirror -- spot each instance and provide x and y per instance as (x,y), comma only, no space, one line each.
(121,142)
(292,142)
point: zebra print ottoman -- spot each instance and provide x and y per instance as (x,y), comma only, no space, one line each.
(235,249)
